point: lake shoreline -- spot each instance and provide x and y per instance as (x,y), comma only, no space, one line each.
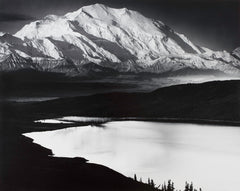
(164,145)
(15,145)
(198,104)
(50,127)
(29,166)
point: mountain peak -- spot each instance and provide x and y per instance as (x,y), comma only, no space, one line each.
(99,11)
(98,5)
(52,17)
(2,33)
(89,9)
(121,39)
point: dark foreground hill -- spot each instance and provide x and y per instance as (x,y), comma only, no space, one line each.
(217,101)
(27,166)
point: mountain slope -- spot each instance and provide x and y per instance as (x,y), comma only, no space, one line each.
(236,53)
(120,39)
(210,102)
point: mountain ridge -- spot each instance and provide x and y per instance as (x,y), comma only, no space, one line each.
(120,39)
(215,102)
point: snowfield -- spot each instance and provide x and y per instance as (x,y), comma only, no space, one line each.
(120,39)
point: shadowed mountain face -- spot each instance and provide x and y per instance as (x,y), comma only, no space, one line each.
(119,40)
(236,53)
(29,84)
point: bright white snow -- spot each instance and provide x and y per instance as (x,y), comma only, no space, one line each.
(121,39)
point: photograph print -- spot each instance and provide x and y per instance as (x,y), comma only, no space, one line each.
(119,95)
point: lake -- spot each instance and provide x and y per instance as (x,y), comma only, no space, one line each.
(209,156)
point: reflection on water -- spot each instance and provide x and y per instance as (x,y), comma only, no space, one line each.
(85,119)
(73,119)
(207,155)
(29,99)
(53,121)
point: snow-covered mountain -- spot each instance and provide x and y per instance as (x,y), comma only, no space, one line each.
(120,40)
(236,53)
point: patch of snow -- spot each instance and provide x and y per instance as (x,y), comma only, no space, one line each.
(91,30)
(2,33)
(22,54)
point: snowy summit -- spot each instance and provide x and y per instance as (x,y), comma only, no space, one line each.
(120,39)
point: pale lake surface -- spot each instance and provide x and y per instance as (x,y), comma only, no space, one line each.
(209,156)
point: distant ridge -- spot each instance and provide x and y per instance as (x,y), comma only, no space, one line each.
(212,102)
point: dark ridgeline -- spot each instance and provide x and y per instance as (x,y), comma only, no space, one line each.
(211,102)
(31,83)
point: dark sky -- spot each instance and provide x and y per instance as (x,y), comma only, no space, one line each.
(211,23)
